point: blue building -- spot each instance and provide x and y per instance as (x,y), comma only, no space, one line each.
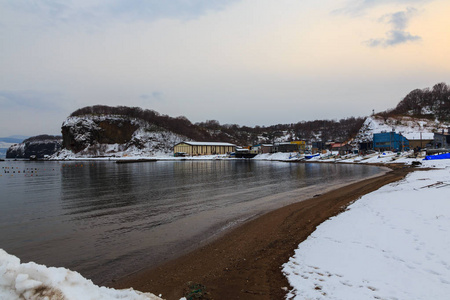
(390,141)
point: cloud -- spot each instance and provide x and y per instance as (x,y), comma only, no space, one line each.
(394,37)
(156,95)
(56,12)
(155,9)
(398,34)
(358,7)
(33,100)
(399,20)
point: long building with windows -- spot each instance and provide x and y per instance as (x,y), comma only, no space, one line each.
(203,148)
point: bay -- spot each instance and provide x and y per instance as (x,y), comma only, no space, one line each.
(106,220)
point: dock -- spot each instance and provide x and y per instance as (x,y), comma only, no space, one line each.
(130,161)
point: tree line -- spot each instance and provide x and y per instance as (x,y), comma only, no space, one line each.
(432,103)
(212,130)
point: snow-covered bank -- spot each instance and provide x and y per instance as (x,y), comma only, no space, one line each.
(328,156)
(393,243)
(33,281)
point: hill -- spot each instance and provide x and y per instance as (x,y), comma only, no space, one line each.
(410,127)
(6,142)
(96,135)
(429,103)
(38,146)
(420,114)
(94,130)
(317,130)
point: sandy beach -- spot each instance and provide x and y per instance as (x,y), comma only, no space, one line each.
(245,263)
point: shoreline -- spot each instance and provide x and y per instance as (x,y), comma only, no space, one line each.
(245,262)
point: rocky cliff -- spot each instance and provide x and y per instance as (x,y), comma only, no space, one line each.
(114,135)
(39,147)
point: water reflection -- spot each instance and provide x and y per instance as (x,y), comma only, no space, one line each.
(105,219)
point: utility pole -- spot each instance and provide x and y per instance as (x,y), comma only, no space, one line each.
(421,141)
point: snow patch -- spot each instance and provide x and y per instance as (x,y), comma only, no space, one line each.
(34,281)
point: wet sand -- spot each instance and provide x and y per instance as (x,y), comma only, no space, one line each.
(245,263)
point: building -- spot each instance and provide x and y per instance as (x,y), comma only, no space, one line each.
(390,141)
(301,145)
(419,140)
(203,148)
(341,148)
(295,146)
(263,148)
(365,146)
(441,140)
(317,147)
(286,147)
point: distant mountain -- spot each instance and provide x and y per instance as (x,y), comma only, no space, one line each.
(18,136)
(15,139)
(3,152)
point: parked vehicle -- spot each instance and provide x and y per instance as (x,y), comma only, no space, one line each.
(180,154)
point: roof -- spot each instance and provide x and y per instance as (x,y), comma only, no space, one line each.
(443,133)
(418,136)
(284,143)
(412,135)
(338,145)
(207,144)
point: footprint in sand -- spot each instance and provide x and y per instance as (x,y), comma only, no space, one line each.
(433,272)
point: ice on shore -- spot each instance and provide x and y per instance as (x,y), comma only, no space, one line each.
(34,281)
(393,243)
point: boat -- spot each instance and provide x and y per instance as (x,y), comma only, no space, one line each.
(311,156)
(138,160)
(245,153)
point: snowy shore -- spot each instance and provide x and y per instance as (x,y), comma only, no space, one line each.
(391,244)
(333,157)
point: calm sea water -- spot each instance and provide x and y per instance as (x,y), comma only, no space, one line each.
(106,220)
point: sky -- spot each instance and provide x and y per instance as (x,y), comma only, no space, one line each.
(245,62)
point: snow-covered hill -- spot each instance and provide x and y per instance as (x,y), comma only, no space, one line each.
(411,128)
(114,136)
